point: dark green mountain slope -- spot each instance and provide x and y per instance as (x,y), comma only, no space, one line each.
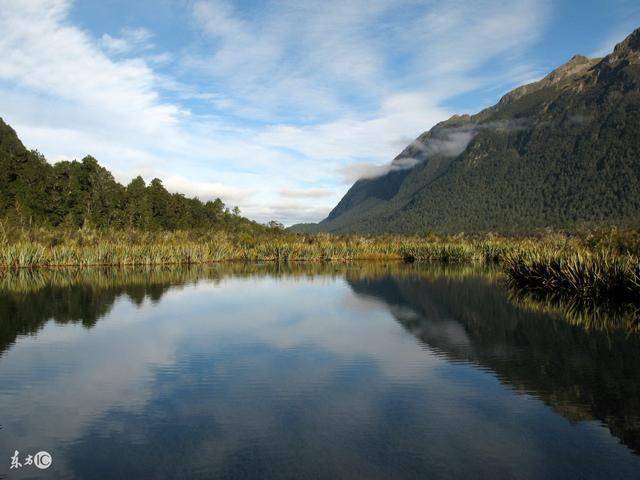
(74,194)
(563,152)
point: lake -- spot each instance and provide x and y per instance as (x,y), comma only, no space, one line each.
(363,371)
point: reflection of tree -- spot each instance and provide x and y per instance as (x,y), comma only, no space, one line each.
(30,298)
(582,374)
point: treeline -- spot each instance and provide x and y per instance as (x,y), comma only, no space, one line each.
(74,194)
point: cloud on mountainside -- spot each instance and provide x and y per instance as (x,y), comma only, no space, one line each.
(445,141)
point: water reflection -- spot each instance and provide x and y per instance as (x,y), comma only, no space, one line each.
(581,373)
(308,371)
(29,298)
(584,312)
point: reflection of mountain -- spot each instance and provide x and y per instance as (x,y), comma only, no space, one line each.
(581,374)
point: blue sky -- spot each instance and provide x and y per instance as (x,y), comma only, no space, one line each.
(274,106)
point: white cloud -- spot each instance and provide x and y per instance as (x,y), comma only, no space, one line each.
(115,44)
(306,192)
(351,138)
(299,211)
(293,56)
(207,190)
(43,53)
(469,34)
(291,95)
(297,55)
(130,40)
(356,171)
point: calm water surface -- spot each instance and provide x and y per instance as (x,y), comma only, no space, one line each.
(332,372)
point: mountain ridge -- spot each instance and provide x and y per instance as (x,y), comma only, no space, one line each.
(561,152)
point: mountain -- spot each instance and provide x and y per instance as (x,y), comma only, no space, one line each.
(563,152)
(74,194)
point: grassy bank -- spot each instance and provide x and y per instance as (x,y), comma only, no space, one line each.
(575,273)
(591,265)
(46,248)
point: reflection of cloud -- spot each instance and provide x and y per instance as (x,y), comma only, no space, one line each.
(80,377)
(84,374)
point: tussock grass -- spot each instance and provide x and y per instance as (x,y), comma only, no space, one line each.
(44,248)
(179,249)
(591,265)
(462,251)
(579,273)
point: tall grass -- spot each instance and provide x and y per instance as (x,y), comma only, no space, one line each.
(90,247)
(159,251)
(578,273)
(592,265)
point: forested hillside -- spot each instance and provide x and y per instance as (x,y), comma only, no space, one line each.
(563,152)
(82,193)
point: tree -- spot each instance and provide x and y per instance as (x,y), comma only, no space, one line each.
(137,209)
(159,203)
(74,194)
(275,225)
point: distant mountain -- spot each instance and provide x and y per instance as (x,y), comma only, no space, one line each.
(562,152)
(74,194)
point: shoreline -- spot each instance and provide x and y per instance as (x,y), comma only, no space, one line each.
(600,268)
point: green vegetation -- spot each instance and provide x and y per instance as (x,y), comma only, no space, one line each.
(75,194)
(522,257)
(581,274)
(21,248)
